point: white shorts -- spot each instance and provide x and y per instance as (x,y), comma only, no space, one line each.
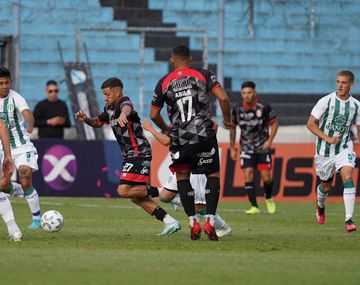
(325,166)
(198,183)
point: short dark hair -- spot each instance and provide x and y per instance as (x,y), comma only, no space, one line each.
(51,82)
(248,84)
(4,72)
(181,51)
(348,74)
(112,82)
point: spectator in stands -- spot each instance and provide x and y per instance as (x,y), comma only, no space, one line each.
(258,125)
(51,114)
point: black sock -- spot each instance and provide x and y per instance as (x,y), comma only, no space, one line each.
(152,191)
(186,196)
(268,189)
(250,191)
(159,213)
(212,194)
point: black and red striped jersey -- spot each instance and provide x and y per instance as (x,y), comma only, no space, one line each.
(187,93)
(254,124)
(131,137)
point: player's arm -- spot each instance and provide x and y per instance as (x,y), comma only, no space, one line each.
(156,117)
(233,149)
(313,126)
(8,164)
(161,138)
(274,126)
(125,113)
(224,105)
(93,122)
(29,118)
(358,132)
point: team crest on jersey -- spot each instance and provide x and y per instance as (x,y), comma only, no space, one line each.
(259,113)
(340,120)
(10,108)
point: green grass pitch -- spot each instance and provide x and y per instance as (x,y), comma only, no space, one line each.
(111,241)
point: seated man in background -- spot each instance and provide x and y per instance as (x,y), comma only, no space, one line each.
(51,114)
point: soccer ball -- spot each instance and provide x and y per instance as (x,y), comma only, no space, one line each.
(52,221)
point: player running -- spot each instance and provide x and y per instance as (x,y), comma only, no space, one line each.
(331,120)
(135,148)
(187,93)
(169,193)
(15,112)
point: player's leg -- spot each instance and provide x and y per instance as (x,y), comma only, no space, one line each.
(250,190)
(349,194)
(264,167)
(170,196)
(6,212)
(170,224)
(31,195)
(324,167)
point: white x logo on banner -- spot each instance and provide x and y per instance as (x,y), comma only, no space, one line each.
(59,167)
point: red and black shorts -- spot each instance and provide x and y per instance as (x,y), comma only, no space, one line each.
(200,158)
(136,170)
(260,159)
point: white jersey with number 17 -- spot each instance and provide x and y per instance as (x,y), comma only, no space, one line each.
(336,117)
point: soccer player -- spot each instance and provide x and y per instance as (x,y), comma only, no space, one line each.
(14,112)
(7,169)
(331,120)
(194,146)
(136,151)
(258,125)
(169,193)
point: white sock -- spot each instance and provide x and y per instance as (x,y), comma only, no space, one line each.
(16,190)
(168,219)
(7,214)
(211,219)
(32,198)
(219,222)
(349,195)
(321,196)
(176,200)
(191,220)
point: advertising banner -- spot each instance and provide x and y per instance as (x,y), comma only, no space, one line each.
(92,169)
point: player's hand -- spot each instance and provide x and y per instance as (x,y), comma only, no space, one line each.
(333,140)
(146,125)
(233,153)
(122,120)
(81,116)
(228,124)
(8,166)
(29,129)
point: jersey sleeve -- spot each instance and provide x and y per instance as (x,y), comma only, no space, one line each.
(126,102)
(357,117)
(319,108)
(158,99)
(270,115)
(211,81)
(21,103)
(104,116)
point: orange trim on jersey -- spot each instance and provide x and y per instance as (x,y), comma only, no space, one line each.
(174,168)
(215,87)
(179,73)
(134,177)
(156,107)
(103,123)
(271,121)
(264,166)
(132,139)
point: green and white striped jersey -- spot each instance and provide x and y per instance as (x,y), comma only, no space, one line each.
(10,113)
(336,117)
